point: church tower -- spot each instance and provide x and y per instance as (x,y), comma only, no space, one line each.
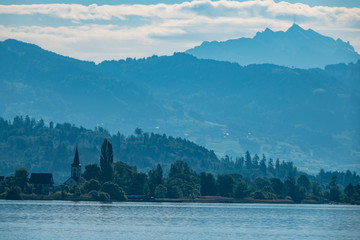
(75,178)
(76,166)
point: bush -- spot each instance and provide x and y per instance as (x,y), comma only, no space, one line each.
(269,195)
(14,193)
(57,195)
(160,191)
(94,194)
(258,195)
(77,191)
(3,195)
(174,192)
(104,197)
(115,192)
(92,185)
(241,190)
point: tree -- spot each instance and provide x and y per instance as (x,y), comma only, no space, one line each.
(92,185)
(114,191)
(349,191)
(355,198)
(21,178)
(304,182)
(146,190)
(106,160)
(255,161)
(316,190)
(174,191)
(138,131)
(155,178)
(289,185)
(139,181)
(160,191)
(277,167)
(239,163)
(263,164)
(207,184)
(347,178)
(225,185)
(248,162)
(260,183)
(259,195)
(92,171)
(182,181)
(103,196)
(179,168)
(271,166)
(13,193)
(296,192)
(300,194)
(240,190)
(334,192)
(124,176)
(277,186)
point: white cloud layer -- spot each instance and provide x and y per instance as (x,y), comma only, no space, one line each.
(113,32)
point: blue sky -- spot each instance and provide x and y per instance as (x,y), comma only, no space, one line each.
(118,29)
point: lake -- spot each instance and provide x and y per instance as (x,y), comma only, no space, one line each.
(172,221)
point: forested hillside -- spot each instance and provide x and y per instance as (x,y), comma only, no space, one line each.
(25,142)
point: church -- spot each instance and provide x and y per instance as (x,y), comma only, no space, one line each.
(75,178)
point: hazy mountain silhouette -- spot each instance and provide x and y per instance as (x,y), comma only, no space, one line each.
(303,115)
(295,47)
(307,116)
(46,85)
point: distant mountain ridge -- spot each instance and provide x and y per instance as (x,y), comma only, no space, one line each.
(309,117)
(47,85)
(294,48)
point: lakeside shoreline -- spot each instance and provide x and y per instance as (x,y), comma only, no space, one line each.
(202,199)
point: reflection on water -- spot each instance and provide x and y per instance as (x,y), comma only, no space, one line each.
(94,220)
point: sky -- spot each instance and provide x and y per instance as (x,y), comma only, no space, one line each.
(109,29)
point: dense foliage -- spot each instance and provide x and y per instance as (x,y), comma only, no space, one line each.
(25,142)
(184,183)
(41,148)
(246,177)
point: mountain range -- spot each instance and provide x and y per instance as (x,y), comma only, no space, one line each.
(295,47)
(308,116)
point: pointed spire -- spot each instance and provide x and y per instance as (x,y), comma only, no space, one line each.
(76,157)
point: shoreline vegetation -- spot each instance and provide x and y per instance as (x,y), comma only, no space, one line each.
(191,173)
(201,199)
(118,181)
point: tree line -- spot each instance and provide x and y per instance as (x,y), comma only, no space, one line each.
(118,181)
(40,147)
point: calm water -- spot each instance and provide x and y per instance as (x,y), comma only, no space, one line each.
(172,221)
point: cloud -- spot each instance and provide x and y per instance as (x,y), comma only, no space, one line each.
(143,30)
(222,8)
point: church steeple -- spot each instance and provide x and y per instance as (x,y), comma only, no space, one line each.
(76,157)
(76,166)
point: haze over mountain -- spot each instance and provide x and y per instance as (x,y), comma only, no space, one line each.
(294,48)
(309,117)
(46,85)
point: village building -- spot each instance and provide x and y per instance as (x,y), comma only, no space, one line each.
(75,178)
(43,183)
